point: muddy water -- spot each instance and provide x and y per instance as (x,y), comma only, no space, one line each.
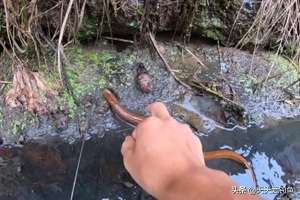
(46,171)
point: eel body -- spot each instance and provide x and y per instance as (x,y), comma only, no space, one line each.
(135,119)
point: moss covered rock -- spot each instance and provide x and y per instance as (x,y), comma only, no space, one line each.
(210,19)
(215,19)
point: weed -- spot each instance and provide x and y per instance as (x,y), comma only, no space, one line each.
(67,100)
(19,125)
(276,19)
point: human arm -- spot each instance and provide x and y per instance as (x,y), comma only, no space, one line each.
(166,159)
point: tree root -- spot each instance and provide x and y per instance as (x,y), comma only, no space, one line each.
(29,91)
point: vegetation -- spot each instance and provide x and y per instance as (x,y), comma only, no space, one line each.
(33,28)
(277,22)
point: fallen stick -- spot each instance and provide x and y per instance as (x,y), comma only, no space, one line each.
(199,85)
(118,39)
(192,54)
(169,68)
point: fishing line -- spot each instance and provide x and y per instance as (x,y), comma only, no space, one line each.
(97,95)
(77,168)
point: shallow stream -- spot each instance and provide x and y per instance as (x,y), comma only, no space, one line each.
(43,170)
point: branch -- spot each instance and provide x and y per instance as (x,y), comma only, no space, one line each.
(169,68)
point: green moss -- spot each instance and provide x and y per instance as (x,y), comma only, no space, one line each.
(282,66)
(209,27)
(89,29)
(20,123)
(291,49)
(89,69)
(213,34)
(67,100)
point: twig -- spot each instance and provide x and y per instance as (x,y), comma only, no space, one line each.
(291,61)
(81,14)
(2,89)
(5,82)
(6,50)
(61,34)
(234,23)
(199,85)
(193,55)
(118,39)
(219,54)
(293,83)
(169,68)
(290,94)
(260,84)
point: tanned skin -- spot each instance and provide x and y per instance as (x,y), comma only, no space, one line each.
(166,159)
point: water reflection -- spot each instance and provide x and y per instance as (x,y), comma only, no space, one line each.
(45,170)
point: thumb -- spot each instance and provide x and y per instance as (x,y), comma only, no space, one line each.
(127,151)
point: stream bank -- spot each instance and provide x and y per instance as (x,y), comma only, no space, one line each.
(93,68)
(256,83)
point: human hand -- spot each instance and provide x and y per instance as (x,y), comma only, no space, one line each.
(160,151)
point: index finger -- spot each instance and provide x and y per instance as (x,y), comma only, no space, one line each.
(159,110)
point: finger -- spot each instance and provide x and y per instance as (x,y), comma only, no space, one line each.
(159,110)
(127,152)
(134,134)
(197,149)
(128,146)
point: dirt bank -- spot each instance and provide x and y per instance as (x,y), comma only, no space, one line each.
(227,71)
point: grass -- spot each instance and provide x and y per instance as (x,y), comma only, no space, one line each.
(276,22)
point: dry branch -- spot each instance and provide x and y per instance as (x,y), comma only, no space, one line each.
(61,35)
(168,67)
(200,86)
(193,55)
(118,39)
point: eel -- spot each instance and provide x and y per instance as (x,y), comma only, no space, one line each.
(135,119)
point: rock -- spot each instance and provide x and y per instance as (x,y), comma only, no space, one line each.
(61,121)
(84,125)
(213,19)
(144,79)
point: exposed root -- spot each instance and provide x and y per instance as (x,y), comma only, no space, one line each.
(29,91)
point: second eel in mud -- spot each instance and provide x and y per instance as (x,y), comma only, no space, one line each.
(135,119)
